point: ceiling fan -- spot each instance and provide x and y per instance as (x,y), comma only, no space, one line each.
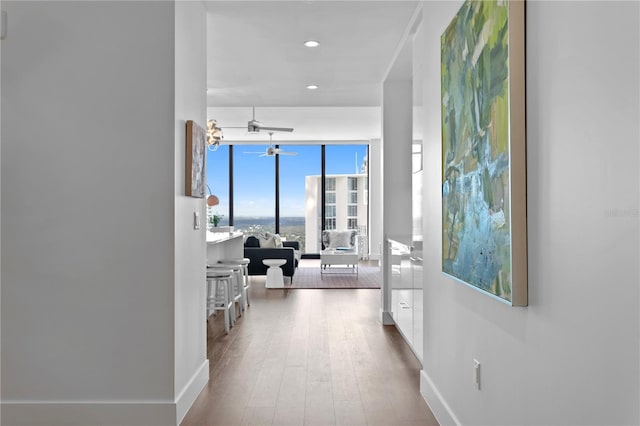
(254,126)
(271,150)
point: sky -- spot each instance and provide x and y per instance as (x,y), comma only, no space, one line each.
(254,176)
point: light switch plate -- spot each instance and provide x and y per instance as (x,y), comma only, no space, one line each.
(3,25)
(476,373)
(196,220)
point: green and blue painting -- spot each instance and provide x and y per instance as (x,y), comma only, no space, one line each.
(476,231)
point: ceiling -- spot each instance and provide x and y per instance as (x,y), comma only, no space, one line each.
(256,57)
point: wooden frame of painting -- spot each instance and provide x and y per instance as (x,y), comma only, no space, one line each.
(484,201)
(195,160)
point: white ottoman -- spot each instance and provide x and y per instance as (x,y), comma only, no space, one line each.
(274,273)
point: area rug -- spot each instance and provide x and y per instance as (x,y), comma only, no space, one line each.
(308,276)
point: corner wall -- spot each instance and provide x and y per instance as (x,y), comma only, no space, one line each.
(0,222)
(396,157)
(375,199)
(91,281)
(191,364)
(571,356)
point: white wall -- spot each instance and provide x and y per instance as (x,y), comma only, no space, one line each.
(191,364)
(89,219)
(0,226)
(397,111)
(571,356)
(375,199)
(396,147)
(417,69)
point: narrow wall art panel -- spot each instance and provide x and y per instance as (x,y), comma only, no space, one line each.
(484,210)
(195,167)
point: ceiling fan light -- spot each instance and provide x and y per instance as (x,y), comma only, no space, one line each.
(214,133)
(311,43)
(312,86)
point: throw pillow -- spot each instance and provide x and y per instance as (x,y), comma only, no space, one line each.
(341,239)
(267,242)
(276,238)
(252,242)
(326,238)
(352,238)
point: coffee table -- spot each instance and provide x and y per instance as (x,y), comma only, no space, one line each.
(345,260)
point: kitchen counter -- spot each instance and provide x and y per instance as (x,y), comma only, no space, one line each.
(224,245)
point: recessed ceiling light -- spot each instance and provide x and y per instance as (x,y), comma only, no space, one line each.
(312,87)
(311,43)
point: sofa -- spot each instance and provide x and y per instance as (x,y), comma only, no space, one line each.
(289,251)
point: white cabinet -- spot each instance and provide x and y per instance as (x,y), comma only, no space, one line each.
(405,272)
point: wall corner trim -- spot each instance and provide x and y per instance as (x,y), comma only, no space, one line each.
(192,389)
(436,402)
(387,318)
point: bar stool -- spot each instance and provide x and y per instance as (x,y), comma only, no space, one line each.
(237,293)
(244,265)
(219,295)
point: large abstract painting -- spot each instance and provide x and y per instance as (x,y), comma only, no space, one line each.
(483,149)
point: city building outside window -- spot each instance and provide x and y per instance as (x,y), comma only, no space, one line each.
(330,223)
(352,206)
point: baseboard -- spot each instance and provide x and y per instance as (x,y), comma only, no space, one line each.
(436,402)
(387,318)
(191,391)
(125,413)
(77,413)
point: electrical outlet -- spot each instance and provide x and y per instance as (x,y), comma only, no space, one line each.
(476,373)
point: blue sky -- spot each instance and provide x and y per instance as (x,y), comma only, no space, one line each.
(254,176)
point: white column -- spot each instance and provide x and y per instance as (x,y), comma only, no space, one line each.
(375,199)
(397,135)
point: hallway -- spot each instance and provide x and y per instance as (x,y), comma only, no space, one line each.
(310,357)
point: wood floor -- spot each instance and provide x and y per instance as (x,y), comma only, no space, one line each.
(310,357)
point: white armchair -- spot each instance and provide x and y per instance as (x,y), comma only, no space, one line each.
(339,240)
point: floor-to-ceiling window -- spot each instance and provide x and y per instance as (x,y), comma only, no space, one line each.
(294,202)
(218,184)
(346,184)
(253,189)
(283,193)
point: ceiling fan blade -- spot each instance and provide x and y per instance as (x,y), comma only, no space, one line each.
(287,153)
(276,129)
